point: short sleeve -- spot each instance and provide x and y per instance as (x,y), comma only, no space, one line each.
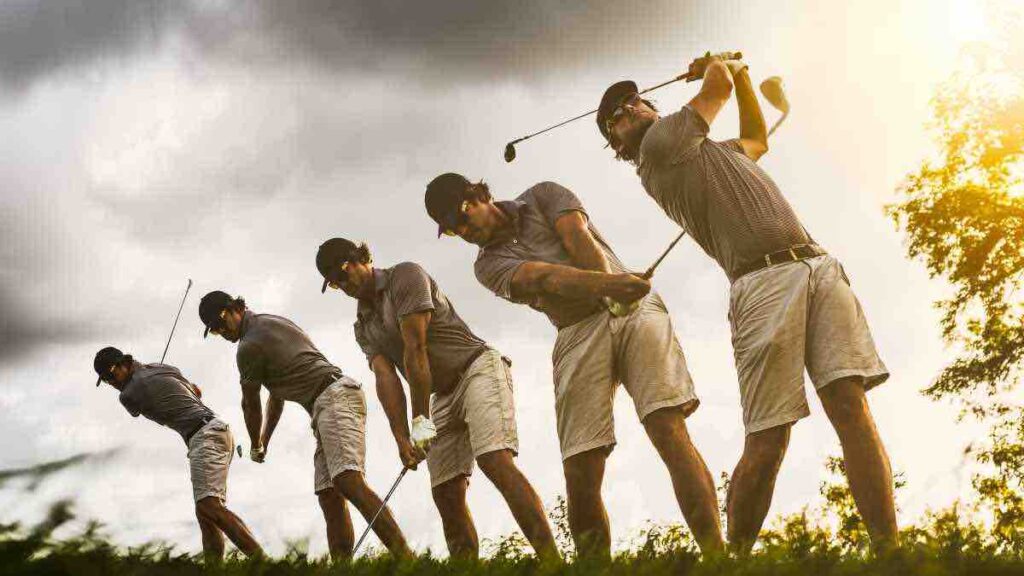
(733,144)
(368,347)
(554,201)
(410,289)
(250,364)
(675,138)
(495,272)
(130,405)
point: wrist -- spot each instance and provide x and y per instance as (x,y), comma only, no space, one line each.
(736,66)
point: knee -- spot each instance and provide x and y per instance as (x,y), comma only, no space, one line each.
(844,401)
(451,494)
(583,472)
(766,449)
(331,501)
(209,508)
(350,482)
(497,465)
(667,426)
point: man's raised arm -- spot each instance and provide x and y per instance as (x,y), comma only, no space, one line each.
(753,132)
(577,240)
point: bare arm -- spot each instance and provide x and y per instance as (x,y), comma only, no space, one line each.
(540,278)
(753,133)
(275,407)
(252,411)
(417,365)
(392,398)
(391,395)
(714,91)
(577,240)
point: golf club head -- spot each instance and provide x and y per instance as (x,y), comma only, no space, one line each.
(773,92)
(510,152)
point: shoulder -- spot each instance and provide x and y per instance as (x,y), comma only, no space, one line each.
(543,190)
(404,270)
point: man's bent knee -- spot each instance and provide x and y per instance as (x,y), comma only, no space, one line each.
(767,445)
(450,493)
(585,469)
(350,482)
(209,508)
(844,400)
(497,463)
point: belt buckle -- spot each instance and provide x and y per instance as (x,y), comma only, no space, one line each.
(792,254)
(767,260)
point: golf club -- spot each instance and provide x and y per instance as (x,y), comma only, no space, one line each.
(383,505)
(773,92)
(650,271)
(510,148)
(175,325)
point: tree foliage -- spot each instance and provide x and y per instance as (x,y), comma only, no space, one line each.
(963,214)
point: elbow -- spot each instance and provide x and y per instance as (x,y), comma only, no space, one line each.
(759,149)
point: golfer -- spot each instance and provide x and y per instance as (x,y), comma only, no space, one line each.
(460,388)
(790,306)
(160,393)
(276,353)
(541,249)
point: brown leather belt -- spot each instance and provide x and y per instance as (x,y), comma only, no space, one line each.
(791,254)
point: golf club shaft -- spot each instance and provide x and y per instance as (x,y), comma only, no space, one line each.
(383,505)
(686,76)
(175,325)
(650,271)
(777,123)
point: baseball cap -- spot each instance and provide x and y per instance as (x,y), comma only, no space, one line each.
(106,359)
(330,255)
(610,100)
(210,308)
(444,198)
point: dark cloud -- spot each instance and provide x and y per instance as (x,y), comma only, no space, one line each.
(38,38)
(23,329)
(427,42)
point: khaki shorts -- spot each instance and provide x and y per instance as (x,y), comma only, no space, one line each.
(789,316)
(209,455)
(594,355)
(339,426)
(478,416)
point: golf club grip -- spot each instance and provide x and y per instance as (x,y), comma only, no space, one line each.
(723,55)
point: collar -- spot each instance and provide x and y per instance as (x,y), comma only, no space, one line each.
(136,368)
(512,209)
(380,283)
(247,319)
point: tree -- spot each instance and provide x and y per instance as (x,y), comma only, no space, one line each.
(963,214)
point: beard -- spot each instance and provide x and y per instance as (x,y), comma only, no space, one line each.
(639,124)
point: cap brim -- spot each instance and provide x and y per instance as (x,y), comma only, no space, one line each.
(206,331)
(98,380)
(440,230)
(324,287)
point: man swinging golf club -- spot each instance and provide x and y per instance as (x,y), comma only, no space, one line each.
(160,393)
(791,305)
(542,250)
(460,389)
(275,353)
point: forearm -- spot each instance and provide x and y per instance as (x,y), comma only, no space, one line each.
(392,399)
(586,253)
(752,126)
(570,282)
(417,370)
(275,408)
(253,414)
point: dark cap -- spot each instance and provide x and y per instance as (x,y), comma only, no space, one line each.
(106,359)
(444,198)
(332,254)
(611,99)
(210,308)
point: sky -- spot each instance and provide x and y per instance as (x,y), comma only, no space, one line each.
(147,143)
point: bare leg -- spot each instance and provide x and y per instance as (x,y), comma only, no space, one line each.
(459,531)
(354,488)
(691,479)
(588,519)
(500,468)
(213,540)
(225,521)
(340,538)
(753,483)
(867,464)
